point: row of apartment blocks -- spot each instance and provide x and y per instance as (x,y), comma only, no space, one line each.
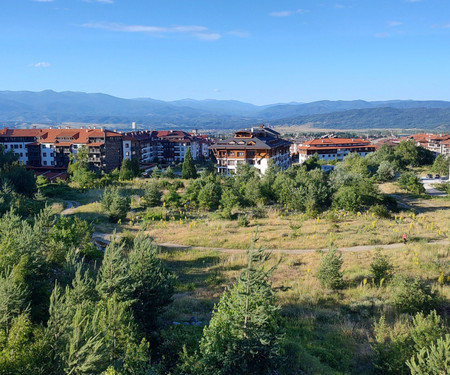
(437,143)
(51,148)
(329,147)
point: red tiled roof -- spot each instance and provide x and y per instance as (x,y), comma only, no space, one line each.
(335,142)
(368,146)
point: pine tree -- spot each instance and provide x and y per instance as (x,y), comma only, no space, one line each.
(188,169)
(115,203)
(113,275)
(12,300)
(168,173)
(85,353)
(243,336)
(329,272)
(156,172)
(153,283)
(152,196)
(432,360)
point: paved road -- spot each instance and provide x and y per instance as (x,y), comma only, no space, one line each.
(428,184)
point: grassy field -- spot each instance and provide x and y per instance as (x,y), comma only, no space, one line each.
(329,332)
(336,327)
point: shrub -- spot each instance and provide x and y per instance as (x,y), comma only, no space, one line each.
(347,198)
(434,360)
(380,211)
(172,198)
(411,296)
(115,203)
(329,273)
(410,182)
(381,267)
(152,196)
(243,221)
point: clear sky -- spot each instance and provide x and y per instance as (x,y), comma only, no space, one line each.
(258,51)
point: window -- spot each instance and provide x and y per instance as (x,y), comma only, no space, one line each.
(16,146)
(127,153)
(240,154)
(6,146)
(231,153)
(20,146)
(45,162)
(127,145)
(53,163)
(21,154)
(44,154)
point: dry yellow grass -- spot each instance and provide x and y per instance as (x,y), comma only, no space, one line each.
(295,278)
(286,231)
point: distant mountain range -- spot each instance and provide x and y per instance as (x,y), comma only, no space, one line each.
(22,108)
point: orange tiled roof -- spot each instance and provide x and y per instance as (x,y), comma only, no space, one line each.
(335,142)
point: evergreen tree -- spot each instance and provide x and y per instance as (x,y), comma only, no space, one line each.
(135,166)
(152,283)
(172,198)
(126,170)
(152,196)
(432,360)
(115,203)
(329,272)
(113,277)
(243,335)
(85,347)
(441,165)
(209,195)
(168,173)
(156,172)
(12,300)
(188,169)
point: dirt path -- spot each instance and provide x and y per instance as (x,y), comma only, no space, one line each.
(297,251)
(71,205)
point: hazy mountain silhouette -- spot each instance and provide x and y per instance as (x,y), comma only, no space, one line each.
(50,107)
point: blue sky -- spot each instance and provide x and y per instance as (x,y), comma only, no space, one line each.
(257,51)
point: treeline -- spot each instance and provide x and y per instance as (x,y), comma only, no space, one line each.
(351,186)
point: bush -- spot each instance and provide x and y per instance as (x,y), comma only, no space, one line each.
(380,211)
(329,273)
(395,344)
(115,204)
(243,221)
(410,182)
(434,360)
(411,296)
(381,268)
(152,196)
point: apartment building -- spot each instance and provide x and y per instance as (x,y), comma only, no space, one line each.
(51,148)
(167,146)
(255,147)
(333,148)
(437,143)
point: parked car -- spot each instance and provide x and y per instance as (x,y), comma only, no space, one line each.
(429,175)
(437,176)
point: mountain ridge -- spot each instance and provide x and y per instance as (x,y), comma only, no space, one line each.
(51,107)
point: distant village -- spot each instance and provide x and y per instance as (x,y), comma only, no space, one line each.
(49,151)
